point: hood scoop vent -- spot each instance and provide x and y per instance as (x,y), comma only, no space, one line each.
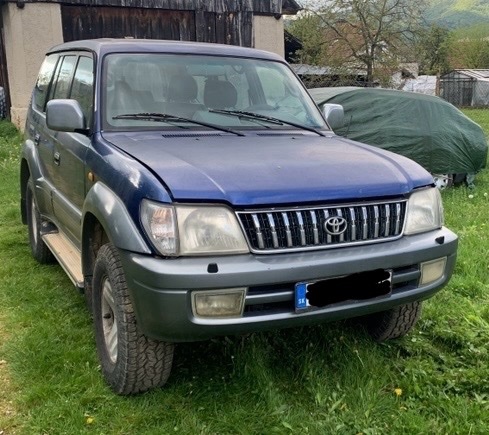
(279,134)
(173,135)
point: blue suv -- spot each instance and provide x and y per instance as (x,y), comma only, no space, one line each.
(194,190)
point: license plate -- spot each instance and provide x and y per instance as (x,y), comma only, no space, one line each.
(359,286)
(301,302)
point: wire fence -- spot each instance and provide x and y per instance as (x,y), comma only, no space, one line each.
(465,92)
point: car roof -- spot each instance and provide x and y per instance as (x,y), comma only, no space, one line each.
(107,45)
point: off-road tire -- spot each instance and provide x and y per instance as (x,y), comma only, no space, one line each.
(393,323)
(131,362)
(39,249)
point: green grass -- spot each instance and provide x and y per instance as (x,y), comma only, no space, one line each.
(318,380)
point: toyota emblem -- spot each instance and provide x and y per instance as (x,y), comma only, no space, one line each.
(335,225)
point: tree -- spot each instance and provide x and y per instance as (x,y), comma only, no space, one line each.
(434,50)
(470,53)
(307,30)
(374,35)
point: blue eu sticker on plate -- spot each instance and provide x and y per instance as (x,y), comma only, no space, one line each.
(301,302)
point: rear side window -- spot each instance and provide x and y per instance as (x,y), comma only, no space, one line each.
(64,77)
(43,81)
(82,88)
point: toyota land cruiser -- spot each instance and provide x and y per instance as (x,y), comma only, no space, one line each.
(194,190)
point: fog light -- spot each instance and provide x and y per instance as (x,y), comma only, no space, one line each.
(432,270)
(219,303)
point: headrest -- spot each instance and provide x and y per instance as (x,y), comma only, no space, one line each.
(182,88)
(219,94)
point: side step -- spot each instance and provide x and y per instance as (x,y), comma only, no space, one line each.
(68,256)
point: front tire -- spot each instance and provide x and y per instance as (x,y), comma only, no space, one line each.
(39,249)
(131,362)
(393,323)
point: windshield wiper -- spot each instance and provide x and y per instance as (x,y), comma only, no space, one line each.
(259,117)
(165,117)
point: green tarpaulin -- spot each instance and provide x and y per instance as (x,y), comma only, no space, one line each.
(426,129)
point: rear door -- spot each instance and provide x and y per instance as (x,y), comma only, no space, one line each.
(39,134)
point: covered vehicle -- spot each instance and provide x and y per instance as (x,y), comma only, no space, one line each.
(426,129)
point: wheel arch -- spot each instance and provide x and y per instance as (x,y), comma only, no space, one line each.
(106,219)
(25,174)
(93,238)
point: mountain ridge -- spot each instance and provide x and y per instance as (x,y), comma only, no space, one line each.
(457,14)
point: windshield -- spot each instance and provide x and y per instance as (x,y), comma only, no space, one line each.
(209,90)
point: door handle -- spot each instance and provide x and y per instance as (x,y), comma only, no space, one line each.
(37,139)
(57,158)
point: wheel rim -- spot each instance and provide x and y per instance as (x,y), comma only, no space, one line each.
(34,220)
(109,321)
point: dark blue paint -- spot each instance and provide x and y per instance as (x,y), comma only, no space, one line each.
(256,171)
(129,179)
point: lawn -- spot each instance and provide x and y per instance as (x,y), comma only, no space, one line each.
(324,379)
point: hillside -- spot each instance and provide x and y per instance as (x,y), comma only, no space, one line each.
(456,14)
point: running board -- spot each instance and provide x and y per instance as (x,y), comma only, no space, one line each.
(68,256)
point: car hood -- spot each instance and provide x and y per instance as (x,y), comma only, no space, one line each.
(280,169)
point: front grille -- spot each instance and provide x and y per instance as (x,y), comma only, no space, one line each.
(275,230)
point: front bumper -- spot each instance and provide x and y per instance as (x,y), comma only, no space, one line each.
(161,288)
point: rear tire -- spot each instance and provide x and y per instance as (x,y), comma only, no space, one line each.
(131,362)
(39,249)
(393,323)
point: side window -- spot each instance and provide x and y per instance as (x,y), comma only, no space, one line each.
(61,87)
(43,81)
(82,88)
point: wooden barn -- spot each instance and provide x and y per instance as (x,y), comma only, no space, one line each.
(30,27)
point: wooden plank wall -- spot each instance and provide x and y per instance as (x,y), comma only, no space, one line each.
(219,6)
(86,22)
(3,67)
(225,28)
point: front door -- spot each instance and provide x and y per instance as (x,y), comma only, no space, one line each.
(74,81)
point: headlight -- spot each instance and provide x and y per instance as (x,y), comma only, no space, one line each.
(192,230)
(425,211)
(209,230)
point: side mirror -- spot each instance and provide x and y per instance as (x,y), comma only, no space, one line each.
(65,115)
(334,115)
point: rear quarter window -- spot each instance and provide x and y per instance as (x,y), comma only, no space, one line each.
(64,77)
(82,87)
(44,80)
